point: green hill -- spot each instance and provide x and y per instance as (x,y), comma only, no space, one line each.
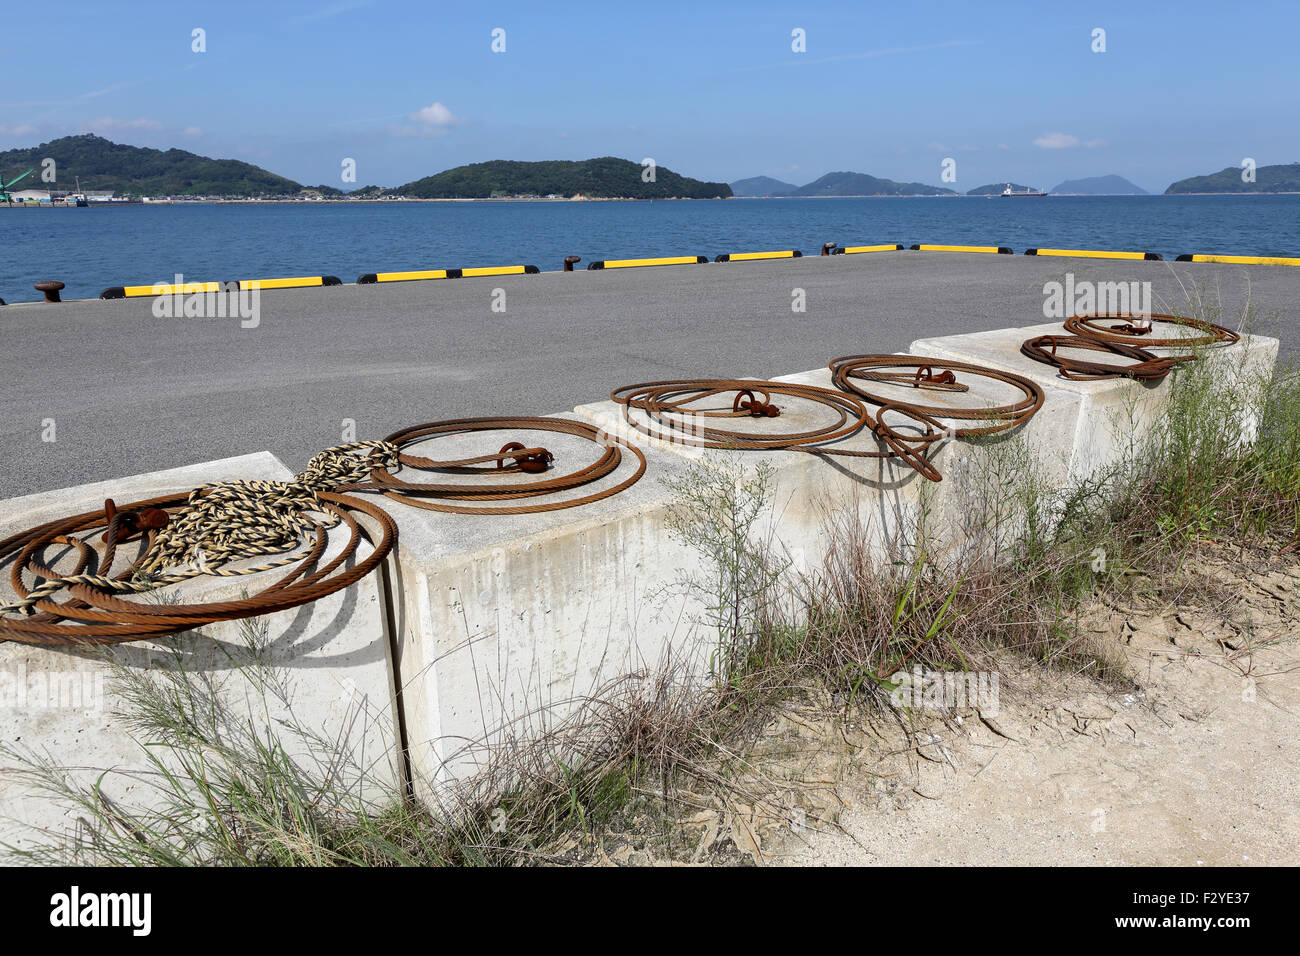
(604,178)
(762,186)
(139,171)
(1111,185)
(860,184)
(1268,179)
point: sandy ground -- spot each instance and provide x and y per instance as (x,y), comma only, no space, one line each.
(1196,765)
(1191,758)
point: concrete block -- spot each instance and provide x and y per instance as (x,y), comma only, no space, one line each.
(954,512)
(331,658)
(1112,413)
(508,622)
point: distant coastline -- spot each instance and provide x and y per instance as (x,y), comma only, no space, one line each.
(104,170)
(150,201)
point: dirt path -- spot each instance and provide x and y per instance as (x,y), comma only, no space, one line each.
(1201,765)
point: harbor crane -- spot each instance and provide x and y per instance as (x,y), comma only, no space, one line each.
(4,186)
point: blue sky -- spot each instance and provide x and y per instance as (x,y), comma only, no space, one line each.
(1010,91)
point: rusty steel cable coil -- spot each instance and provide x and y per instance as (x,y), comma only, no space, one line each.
(1145,367)
(513,458)
(96,609)
(1136,329)
(672,407)
(850,371)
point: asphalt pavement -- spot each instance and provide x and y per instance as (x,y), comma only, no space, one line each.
(121,391)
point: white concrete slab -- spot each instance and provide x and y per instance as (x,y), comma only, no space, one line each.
(330,657)
(507,621)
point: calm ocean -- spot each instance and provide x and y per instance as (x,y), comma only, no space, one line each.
(90,249)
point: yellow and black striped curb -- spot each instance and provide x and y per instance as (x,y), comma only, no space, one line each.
(637,263)
(1000,250)
(372,277)
(1243,260)
(240,285)
(749,256)
(1096,254)
(854,250)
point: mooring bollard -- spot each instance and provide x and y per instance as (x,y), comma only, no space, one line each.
(51,289)
(569,261)
(827,247)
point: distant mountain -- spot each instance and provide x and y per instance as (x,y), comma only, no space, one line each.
(139,171)
(1268,179)
(761,186)
(604,178)
(1098,186)
(860,184)
(995,189)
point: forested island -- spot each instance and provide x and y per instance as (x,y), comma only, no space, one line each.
(100,164)
(605,178)
(861,184)
(1282,178)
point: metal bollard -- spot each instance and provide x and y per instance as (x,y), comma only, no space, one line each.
(51,289)
(569,261)
(827,247)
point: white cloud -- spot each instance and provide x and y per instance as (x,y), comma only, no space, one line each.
(1066,141)
(865,55)
(107,123)
(435,114)
(436,119)
(94,94)
(1056,141)
(332,10)
(150,131)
